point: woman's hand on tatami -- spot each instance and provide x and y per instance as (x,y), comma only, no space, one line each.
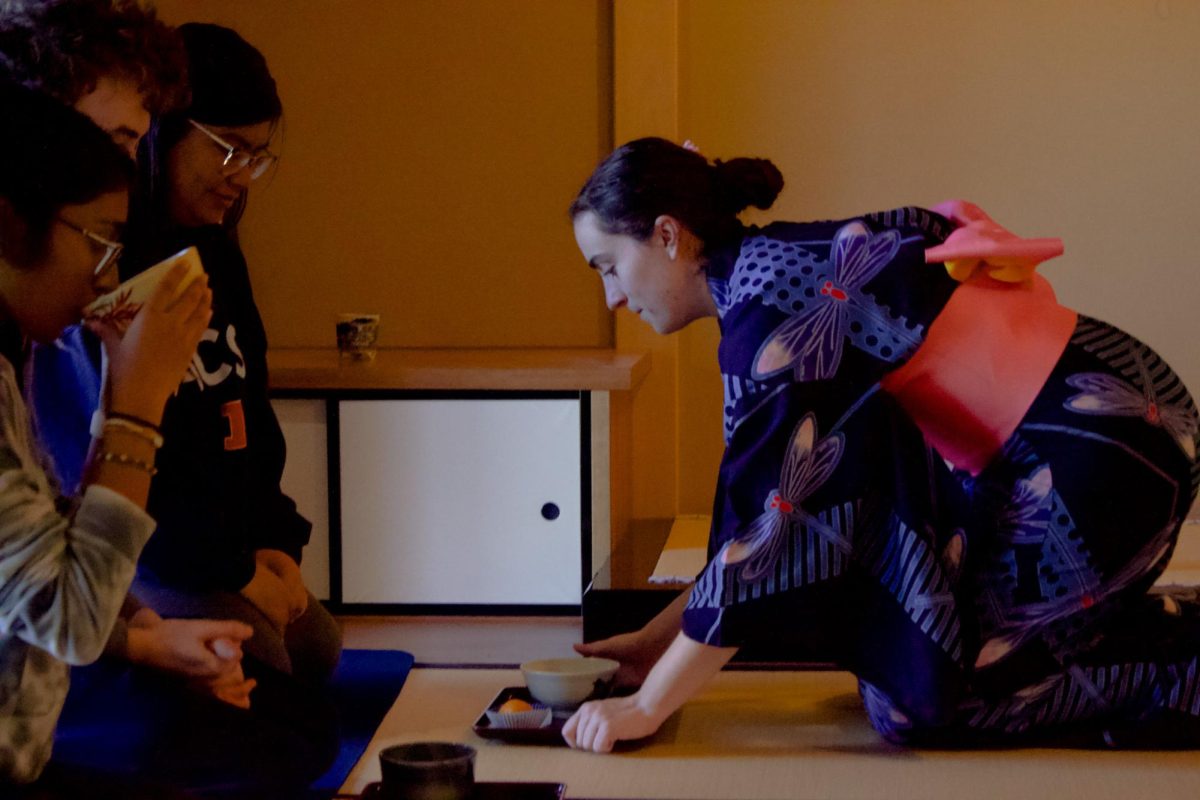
(600,724)
(681,672)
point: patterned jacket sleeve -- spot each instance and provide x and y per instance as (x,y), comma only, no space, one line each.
(63,578)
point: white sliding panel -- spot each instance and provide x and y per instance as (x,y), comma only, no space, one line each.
(306,480)
(442,501)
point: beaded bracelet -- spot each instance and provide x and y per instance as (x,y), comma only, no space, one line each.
(127,460)
(145,423)
(151,435)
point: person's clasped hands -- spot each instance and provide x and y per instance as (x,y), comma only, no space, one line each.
(207,653)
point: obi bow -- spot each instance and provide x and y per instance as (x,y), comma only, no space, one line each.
(980,244)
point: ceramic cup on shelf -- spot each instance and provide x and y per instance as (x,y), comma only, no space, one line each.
(356,336)
(427,771)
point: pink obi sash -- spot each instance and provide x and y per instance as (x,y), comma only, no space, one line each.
(992,347)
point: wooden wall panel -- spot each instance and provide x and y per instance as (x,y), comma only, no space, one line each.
(431,148)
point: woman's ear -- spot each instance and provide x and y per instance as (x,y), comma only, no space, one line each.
(14,236)
(8,229)
(667,232)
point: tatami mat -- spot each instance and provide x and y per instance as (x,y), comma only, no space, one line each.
(768,736)
(495,641)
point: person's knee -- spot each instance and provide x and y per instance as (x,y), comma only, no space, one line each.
(268,646)
(314,642)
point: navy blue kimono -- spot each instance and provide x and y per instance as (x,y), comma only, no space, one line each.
(971,606)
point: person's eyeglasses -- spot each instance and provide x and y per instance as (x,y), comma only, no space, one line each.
(112,250)
(237,160)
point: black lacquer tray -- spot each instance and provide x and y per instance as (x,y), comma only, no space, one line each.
(494,791)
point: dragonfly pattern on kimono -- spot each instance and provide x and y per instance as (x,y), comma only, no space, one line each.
(809,462)
(835,306)
(1031,620)
(753,563)
(1108,395)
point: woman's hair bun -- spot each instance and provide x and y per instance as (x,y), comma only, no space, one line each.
(646,178)
(745,182)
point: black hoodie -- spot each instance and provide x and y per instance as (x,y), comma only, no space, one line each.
(217,497)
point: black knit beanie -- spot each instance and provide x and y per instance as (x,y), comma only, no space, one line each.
(230,82)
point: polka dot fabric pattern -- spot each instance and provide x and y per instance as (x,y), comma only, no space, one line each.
(787,277)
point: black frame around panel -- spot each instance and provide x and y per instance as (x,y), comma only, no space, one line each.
(332,397)
(333,479)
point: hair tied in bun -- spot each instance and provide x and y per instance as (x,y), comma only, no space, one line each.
(745,182)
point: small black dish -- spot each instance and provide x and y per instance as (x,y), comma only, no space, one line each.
(494,791)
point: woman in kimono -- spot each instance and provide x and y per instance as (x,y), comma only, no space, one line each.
(953,486)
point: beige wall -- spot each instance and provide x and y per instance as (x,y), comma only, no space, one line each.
(431,148)
(1077,119)
(646,102)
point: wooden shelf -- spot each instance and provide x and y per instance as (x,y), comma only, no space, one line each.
(634,558)
(321,369)
(621,598)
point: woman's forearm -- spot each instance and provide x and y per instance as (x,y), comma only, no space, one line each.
(664,627)
(131,478)
(680,674)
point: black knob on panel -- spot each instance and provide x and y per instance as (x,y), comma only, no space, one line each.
(550,511)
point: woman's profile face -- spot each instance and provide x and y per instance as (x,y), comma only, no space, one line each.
(201,190)
(50,295)
(659,279)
